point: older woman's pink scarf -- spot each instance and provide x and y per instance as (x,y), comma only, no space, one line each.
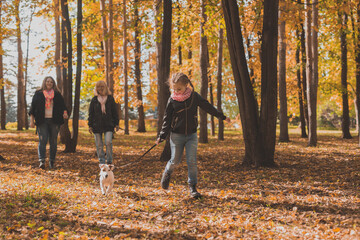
(49,96)
(102,100)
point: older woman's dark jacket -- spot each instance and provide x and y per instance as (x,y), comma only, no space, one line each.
(100,122)
(37,108)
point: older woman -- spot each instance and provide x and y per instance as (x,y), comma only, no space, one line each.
(103,120)
(47,112)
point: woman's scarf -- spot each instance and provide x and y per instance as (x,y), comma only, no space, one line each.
(102,101)
(49,96)
(182,97)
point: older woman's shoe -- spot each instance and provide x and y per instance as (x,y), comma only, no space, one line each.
(42,165)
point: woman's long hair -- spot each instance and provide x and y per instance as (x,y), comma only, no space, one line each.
(43,85)
(103,83)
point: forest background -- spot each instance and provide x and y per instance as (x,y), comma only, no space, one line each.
(282,70)
(37,28)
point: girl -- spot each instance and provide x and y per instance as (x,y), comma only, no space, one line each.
(47,112)
(103,119)
(181,119)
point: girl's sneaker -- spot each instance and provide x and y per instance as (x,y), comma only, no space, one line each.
(165,180)
(193,192)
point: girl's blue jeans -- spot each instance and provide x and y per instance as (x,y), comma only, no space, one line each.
(47,131)
(100,147)
(177,143)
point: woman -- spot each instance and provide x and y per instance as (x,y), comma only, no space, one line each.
(47,112)
(103,119)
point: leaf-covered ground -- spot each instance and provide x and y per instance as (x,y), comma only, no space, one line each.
(313,194)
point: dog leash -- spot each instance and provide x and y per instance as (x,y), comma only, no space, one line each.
(146,152)
(140,156)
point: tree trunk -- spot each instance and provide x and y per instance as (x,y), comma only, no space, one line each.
(179,37)
(137,49)
(20,73)
(57,46)
(212,103)
(345,126)
(357,60)
(300,90)
(268,111)
(164,62)
(311,91)
(164,72)
(26,64)
(67,71)
(2,82)
(284,131)
(111,47)
(190,57)
(303,72)
(105,39)
(157,10)
(75,122)
(254,147)
(219,82)
(203,133)
(64,55)
(126,87)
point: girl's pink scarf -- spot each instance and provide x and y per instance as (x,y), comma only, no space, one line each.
(182,97)
(49,96)
(102,101)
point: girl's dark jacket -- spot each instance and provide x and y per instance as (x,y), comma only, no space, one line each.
(100,122)
(37,108)
(181,117)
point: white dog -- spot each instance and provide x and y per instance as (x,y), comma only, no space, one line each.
(106,178)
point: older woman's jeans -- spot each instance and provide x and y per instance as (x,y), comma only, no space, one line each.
(177,143)
(47,131)
(99,147)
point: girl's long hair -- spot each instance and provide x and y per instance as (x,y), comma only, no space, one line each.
(180,78)
(43,85)
(101,82)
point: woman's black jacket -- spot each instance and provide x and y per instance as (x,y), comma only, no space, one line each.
(37,108)
(100,122)
(181,117)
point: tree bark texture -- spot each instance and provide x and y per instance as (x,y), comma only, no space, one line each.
(203,133)
(126,87)
(58,45)
(111,47)
(219,82)
(345,126)
(268,111)
(254,147)
(67,71)
(284,131)
(164,72)
(20,72)
(75,123)
(2,82)
(27,64)
(137,49)
(303,72)
(212,103)
(311,91)
(300,89)
(164,52)
(357,60)
(105,39)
